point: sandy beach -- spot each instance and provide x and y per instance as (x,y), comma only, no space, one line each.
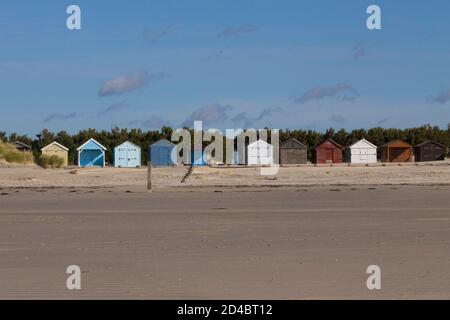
(432,173)
(309,232)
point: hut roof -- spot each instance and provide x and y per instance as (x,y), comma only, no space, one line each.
(430,141)
(292,143)
(22,145)
(362,142)
(56,144)
(128,143)
(331,141)
(260,142)
(91,140)
(163,142)
(398,143)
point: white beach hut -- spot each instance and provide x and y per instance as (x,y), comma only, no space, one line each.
(361,152)
(259,153)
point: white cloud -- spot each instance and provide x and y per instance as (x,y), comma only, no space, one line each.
(130,82)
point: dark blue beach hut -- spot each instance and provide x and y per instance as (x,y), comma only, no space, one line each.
(163,153)
(91,154)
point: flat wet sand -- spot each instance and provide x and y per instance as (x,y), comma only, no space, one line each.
(297,243)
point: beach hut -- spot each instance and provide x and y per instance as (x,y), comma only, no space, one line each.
(91,154)
(198,158)
(163,153)
(259,153)
(56,149)
(20,146)
(328,151)
(127,155)
(429,151)
(238,158)
(396,151)
(293,152)
(25,149)
(361,151)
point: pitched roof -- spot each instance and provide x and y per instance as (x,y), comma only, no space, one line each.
(56,144)
(399,143)
(331,141)
(258,142)
(430,141)
(128,142)
(91,140)
(22,144)
(290,144)
(363,141)
(163,142)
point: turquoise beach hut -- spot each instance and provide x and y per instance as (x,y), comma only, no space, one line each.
(91,154)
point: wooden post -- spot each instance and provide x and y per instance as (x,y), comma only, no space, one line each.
(149,176)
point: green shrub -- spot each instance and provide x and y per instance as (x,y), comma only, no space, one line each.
(50,161)
(10,154)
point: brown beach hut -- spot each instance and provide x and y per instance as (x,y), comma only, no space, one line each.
(429,151)
(25,149)
(396,151)
(328,151)
(293,152)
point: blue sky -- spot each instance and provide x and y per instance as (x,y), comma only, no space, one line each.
(309,64)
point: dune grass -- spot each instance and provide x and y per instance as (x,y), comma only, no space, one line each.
(10,154)
(52,161)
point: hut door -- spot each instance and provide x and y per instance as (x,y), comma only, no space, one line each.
(123,160)
(132,157)
(264,156)
(431,153)
(329,155)
(164,155)
(398,154)
(363,155)
(427,153)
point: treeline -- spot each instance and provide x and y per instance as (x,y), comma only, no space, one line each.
(110,139)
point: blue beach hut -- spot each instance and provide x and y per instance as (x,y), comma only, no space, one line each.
(198,158)
(127,155)
(163,153)
(91,154)
(238,159)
